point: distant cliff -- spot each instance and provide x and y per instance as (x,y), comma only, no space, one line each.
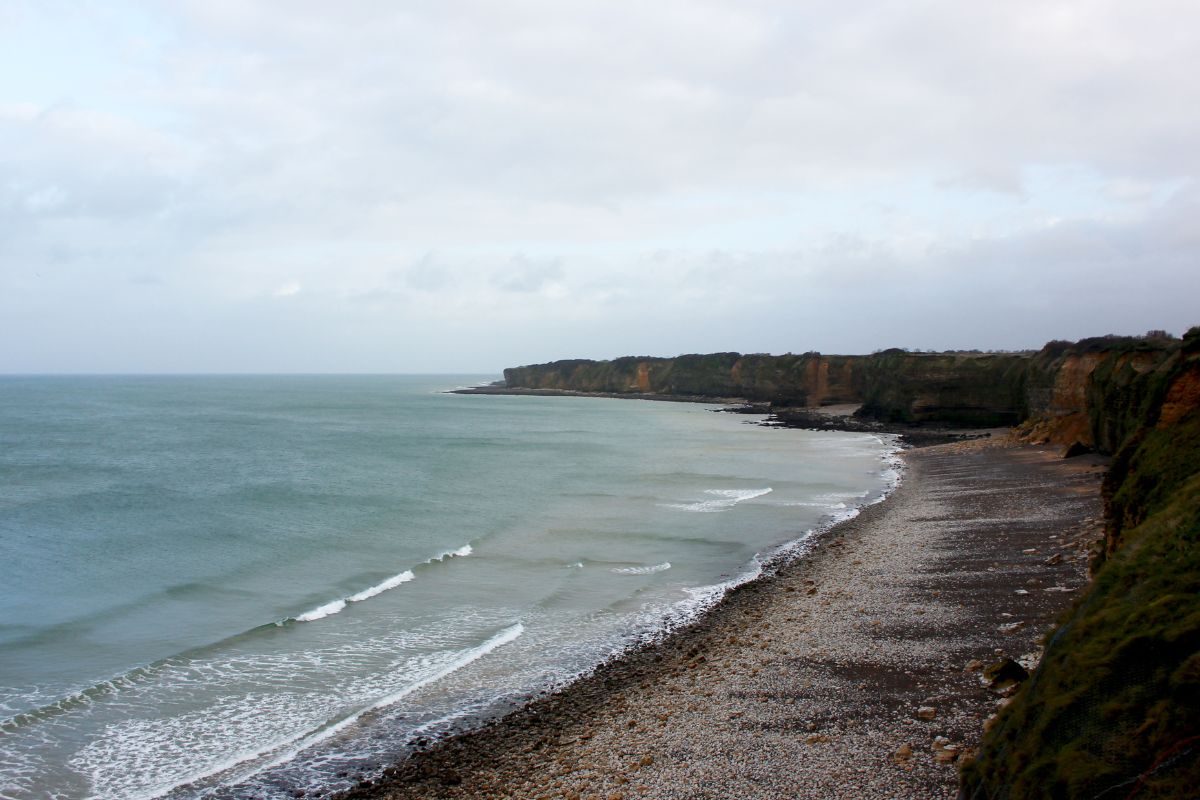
(893,386)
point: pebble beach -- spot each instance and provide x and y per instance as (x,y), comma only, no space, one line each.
(855,670)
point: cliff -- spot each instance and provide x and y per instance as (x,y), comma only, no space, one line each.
(1114,708)
(1085,392)
(892,386)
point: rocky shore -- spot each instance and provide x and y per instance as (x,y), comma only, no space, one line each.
(855,671)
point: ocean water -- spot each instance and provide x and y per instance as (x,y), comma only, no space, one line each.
(224,586)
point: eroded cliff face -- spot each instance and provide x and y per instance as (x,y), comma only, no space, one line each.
(1086,392)
(1056,394)
(895,386)
(978,389)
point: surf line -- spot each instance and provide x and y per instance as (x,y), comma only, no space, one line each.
(287,749)
(336,606)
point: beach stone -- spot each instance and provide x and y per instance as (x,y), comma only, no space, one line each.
(974,665)
(945,756)
(926,712)
(903,753)
(1004,673)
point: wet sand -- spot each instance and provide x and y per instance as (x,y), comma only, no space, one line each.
(833,677)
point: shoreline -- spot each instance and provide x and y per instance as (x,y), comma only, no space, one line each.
(818,418)
(807,681)
(666,398)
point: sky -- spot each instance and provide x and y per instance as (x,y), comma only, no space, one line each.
(245,186)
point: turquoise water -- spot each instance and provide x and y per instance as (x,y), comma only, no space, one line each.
(217,585)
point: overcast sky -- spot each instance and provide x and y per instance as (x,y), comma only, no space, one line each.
(304,186)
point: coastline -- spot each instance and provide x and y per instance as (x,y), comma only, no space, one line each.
(667,398)
(818,418)
(807,681)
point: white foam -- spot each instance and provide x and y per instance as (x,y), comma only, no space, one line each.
(336,606)
(722,499)
(648,570)
(320,612)
(502,638)
(461,552)
(173,764)
(702,598)
(379,588)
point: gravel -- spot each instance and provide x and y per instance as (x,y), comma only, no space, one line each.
(846,674)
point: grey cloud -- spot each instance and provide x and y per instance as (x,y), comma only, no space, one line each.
(679,171)
(526,275)
(427,274)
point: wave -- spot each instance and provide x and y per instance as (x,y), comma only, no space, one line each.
(461,552)
(248,763)
(650,570)
(320,612)
(503,637)
(337,606)
(700,599)
(722,499)
(390,583)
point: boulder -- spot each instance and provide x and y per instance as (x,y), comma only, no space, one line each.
(1004,674)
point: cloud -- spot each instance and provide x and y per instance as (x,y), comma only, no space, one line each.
(525,275)
(679,174)
(427,274)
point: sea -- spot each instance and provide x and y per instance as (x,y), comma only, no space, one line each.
(234,586)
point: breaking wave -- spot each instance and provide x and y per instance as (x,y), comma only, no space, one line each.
(720,500)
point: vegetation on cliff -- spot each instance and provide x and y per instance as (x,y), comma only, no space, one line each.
(1114,708)
(978,389)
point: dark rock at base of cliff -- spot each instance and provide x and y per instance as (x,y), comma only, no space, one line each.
(914,435)
(1076,448)
(1003,674)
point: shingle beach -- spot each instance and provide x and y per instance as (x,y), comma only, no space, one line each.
(851,672)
